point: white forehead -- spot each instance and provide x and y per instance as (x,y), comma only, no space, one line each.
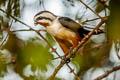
(45,14)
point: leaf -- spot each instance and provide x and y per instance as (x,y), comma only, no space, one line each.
(37,55)
(31,52)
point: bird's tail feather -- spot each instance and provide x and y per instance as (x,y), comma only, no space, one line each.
(82,32)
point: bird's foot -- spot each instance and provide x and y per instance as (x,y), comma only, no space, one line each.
(69,55)
(71,50)
(66,59)
(72,55)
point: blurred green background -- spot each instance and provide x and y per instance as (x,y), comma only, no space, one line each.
(24,55)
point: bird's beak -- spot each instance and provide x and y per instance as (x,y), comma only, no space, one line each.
(35,23)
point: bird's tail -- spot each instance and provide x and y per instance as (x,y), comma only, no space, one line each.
(82,32)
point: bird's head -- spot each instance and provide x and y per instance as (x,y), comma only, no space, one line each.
(44,18)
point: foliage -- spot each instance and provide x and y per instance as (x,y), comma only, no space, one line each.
(36,52)
(3,63)
(13,7)
(30,52)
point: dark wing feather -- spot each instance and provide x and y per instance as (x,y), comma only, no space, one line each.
(74,26)
(69,23)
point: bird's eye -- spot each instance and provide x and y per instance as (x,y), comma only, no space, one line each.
(39,18)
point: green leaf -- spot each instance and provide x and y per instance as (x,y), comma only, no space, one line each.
(37,55)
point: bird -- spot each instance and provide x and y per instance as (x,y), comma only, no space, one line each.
(66,31)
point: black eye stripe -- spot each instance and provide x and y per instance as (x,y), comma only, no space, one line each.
(40,18)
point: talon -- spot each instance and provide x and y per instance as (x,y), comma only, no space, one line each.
(71,49)
(72,55)
(67,60)
(70,52)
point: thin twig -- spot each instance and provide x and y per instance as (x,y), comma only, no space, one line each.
(88,20)
(91,10)
(77,48)
(62,63)
(54,50)
(6,35)
(59,67)
(72,70)
(27,30)
(106,73)
(21,30)
(32,30)
(57,58)
(85,39)
(4,40)
(56,70)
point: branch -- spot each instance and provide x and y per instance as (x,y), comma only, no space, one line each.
(88,20)
(6,35)
(105,74)
(26,30)
(91,9)
(84,40)
(59,67)
(70,55)
(72,70)
(56,70)
(54,50)
(21,30)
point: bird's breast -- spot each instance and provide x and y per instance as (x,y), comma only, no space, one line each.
(60,32)
(53,30)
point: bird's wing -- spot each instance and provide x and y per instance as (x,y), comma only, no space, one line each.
(69,23)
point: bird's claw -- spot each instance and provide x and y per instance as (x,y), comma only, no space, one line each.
(72,55)
(67,60)
(71,52)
